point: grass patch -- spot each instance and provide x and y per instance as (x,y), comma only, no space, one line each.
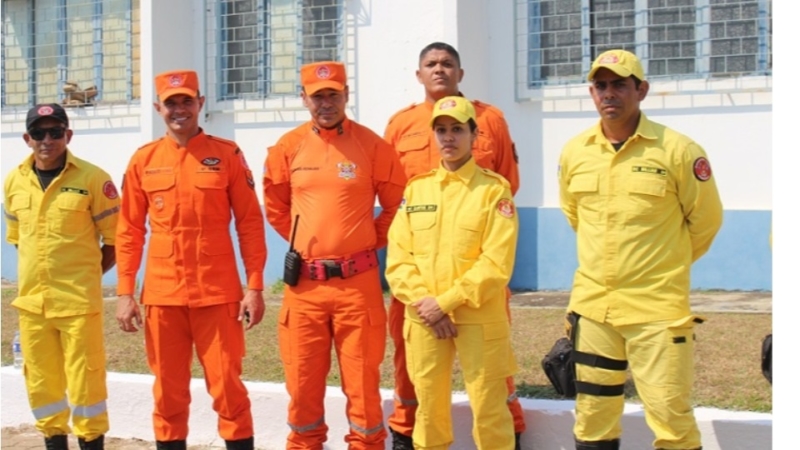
(727,358)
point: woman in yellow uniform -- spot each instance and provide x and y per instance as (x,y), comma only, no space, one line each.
(450,256)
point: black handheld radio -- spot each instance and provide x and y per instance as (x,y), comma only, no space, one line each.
(291,265)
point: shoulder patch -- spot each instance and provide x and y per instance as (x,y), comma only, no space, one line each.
(505,207)
(702,169)
(501,179)
(151,143)
(486,107)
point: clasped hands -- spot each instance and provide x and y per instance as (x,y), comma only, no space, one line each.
(433,316)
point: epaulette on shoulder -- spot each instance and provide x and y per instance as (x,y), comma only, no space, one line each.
(151,143)
(496,176)
(227,142)
(422,175)
(403,110)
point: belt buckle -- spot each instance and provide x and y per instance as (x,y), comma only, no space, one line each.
(333,268)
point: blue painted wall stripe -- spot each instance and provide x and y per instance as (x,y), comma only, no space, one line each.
(740,258)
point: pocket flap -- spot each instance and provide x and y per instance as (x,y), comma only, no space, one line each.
(583,183)
(648,187)
(210,180)
(73,202)
(413,143)
(158,182)
(20,201)
(160,246)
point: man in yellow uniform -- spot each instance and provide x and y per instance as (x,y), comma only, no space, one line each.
(451,253)
(645,206)
(58,209)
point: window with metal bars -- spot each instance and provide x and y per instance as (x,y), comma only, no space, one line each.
(258,46)
(73,52)
(675,39)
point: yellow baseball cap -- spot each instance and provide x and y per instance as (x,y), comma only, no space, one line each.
(621,62)
(456,107)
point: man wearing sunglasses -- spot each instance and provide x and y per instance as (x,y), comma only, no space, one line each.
(56,205)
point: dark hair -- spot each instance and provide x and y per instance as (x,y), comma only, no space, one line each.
(472,125)
(636,82)
(441,46)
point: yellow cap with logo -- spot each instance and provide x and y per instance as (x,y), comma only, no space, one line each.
(458,108)
(621,62)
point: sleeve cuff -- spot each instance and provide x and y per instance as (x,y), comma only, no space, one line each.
(255,282)
(126,286)
(448,302)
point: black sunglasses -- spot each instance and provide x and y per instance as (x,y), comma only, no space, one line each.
(37,134)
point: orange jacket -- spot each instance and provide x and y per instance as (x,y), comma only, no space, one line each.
(409,131)
(330,179)
(188,194)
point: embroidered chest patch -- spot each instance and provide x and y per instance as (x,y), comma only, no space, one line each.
(210,161)
(653,170)
(420,208)
(506,208)
(347,170)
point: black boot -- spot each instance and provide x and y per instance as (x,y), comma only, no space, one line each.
(611,444)
(171,445)
(240,444)
(516,441)
(94,444)
(401,441)
(57,442)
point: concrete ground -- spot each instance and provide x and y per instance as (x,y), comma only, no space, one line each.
(26,437)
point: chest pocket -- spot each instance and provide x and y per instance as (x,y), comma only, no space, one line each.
(414,152)
(20,207)
(73,214)
(647,198)
(469,235)
(423,227)
(586,189)
(211,195)
(161,194)
(484,151)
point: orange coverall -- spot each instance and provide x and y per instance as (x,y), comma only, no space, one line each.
(192,288)
(409,131)
(329,178)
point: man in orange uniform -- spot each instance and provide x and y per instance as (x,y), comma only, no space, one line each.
(410,133)
(188,183)
(327,173)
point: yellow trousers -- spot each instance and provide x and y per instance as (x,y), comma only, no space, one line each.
(65,354)
(661,359)
(484,352)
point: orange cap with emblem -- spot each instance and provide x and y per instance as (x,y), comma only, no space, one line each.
(322,75)
(177,82)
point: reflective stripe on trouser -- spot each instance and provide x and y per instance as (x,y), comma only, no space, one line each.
(65,355)
(484,351)
(661,358)
(350,314)
(405,400)
(171,334)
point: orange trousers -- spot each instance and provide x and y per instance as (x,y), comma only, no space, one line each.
(350,314)
(405,399)
(218,337)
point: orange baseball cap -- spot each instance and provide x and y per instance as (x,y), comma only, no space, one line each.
(458,108)
(177,82)
(322,75)
(621,62)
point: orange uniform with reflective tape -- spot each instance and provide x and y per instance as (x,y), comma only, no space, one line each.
(409,131)
(330,179)
(187,196)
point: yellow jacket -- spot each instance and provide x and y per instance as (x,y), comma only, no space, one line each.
(58,235)
(643,215)
(454,238)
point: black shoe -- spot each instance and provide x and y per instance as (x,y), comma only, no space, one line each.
(240,444)
(57,442)
(611,444)
(94,444)
(401,441)
(516,441)
(171,445)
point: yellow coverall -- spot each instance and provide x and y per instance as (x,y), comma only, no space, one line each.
(60,300)
(454,239)
(643,215)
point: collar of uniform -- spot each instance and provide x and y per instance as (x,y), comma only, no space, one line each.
(324,133)
(27,166)
(643,130)
(429,104)
(192,140)
(464,173)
